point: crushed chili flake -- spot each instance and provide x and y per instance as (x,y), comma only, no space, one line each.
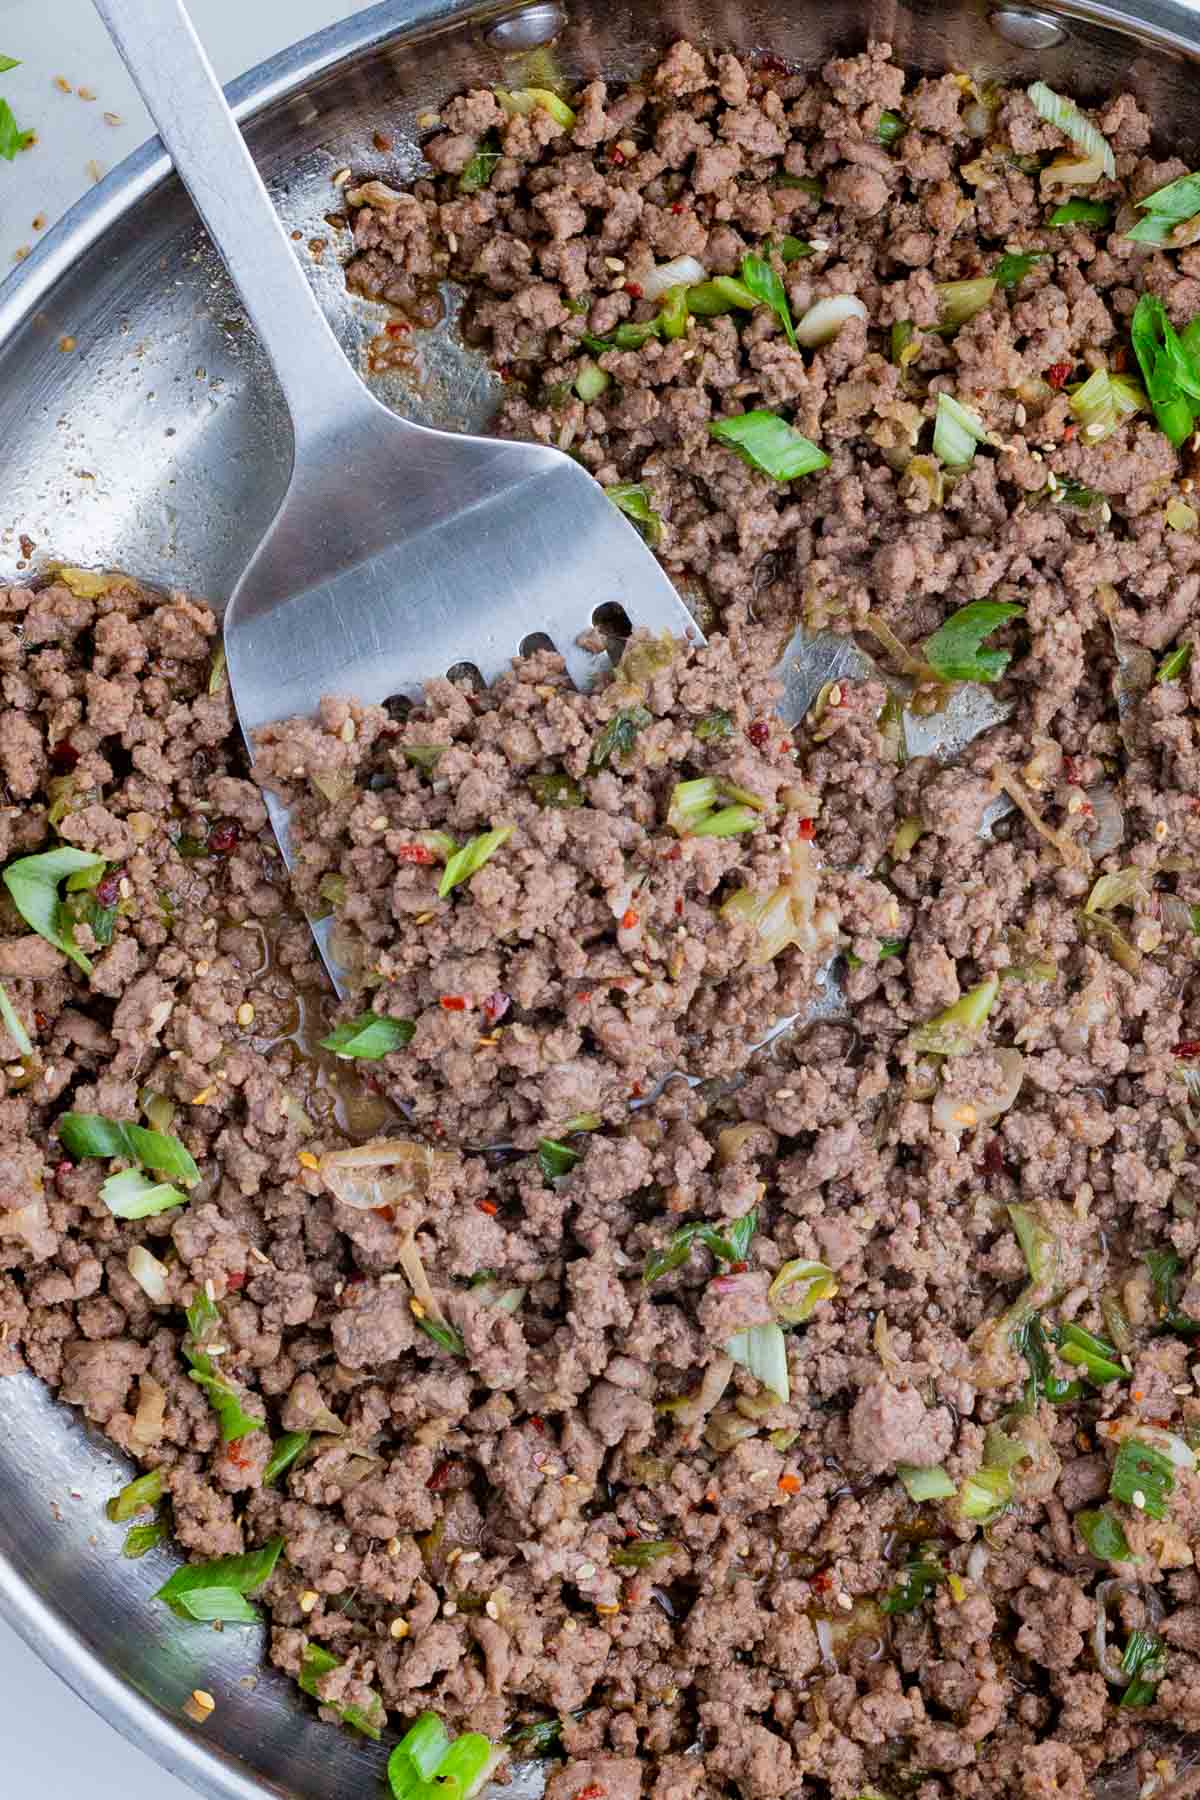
(235,1453)
(677,207)
(1188,1047)
(235,1279)
(593,1791)
(397,327)
(1068,433)
(738,1268)
(633,289)
(384,1212)
(584,994)
(1071,770)
(628,919)
(440,1477)
(636,1090)
(487,1206)
(1118,359)
(453,1003)
(415,853)
(495,1006)
(616,155)
(807,829)
(64,755)
(790,1484)
(679,907)
(1057,373)
(538,1423)
(224,837)
(759,734)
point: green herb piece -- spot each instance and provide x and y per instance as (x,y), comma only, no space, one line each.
(423,756)
(890,127)
(7,63)
(1165,209)
(190,848)
(100,921)
(961,300)
(539,1738)
(618,737)
(218,670)
(1171,374)
(918,1578)
(799,1288)
(581,1122)
(954,1031)
(905,342)
(891,947)
(1073,493)
(216,1590)
(954,649)
(203,1322)
(1066,116)
(424,1744)
(1163,1267)
(556,790)
(925,1484)
(804,184)
(135,1497)
(527,100)
(472,856)
(203,1318)
(1082,212)
(12,138)
(443,1335)
(633,499)
(1039,1247)
(715,724)
(286,1449)
(1104,402)
(132,1195)
(1142,1470)
(142,1538)
(732,1245)
(12,1024)
(767,286)
(956,431)
(32,883)
(317,1662)
(1029,1341)
(1097,1359)
(793,249)
(482,166)
(555,1159)
(708,299)
(769,443)
(695,810)
(762,1351)
(642,1552)
(1145,1660)
(370,1036)
(1174,663)
(986,1495)
(1104,1535)
(90,1134)
(1014,267)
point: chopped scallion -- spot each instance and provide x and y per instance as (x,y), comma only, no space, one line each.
(369,1036)
(925,1484)
(216,1590)
(765,284)
(769,443)
(1143,1478)
(1082,212)
(1103,1534)
(633,499)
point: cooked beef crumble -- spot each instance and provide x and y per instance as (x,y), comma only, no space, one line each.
(571,1499)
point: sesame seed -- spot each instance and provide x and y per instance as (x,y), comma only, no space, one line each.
(1160,829)
(245,1013)
(63,85)
(785,1093)
(202,967)
(259,1257)
(379,824)
(307,1160)
(418,1311)
(199,1705)
(308,1600)
(845,1602)
(399,1628)
(607,1610)
(585,1571)
(341,1545)
(819,243)
(341,178)
(125,887)
(492,1610)
(203,1097)
(760,1475)
(66,344)
(615,263)
(453,1556)
(113,119)
(450,1608)
(94,170)
(85,93)
(1139,1499)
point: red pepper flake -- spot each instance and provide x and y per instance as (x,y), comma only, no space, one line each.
(453,1003)
(235,1279)
(495,1006)
(1057,374)
(584,995)
(437,1128)
(440,1476)
(807,830)
(236,1454)
(505,374)
(633,289)
(636,1090)
(677,207)
(628,919)
(616,155)
(593,1791)
(385,1212)
(538,1423)
(108,888)
(822,1581)
(1068,433)
(1188,1047)
(224,837)
(415,853)
(679,907)
(1118,359)
(487,1206)
(374,1083)
(674,853)
(1071,770)
(738,1268)
(790,1484)
(759,734)
(40,1020)
(397,327)
(64,756)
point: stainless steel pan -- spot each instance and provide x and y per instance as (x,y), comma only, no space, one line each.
(158,442)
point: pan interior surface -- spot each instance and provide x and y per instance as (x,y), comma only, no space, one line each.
(143,430)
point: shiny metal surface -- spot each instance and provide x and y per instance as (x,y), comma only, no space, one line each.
(161,442)
(399,551)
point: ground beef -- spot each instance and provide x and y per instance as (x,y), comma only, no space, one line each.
(612,1417)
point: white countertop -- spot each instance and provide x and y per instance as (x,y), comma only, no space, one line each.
(53,1744)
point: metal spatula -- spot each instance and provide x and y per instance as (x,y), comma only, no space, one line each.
(398,552)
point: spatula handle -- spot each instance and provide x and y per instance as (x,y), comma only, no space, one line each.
(170,67)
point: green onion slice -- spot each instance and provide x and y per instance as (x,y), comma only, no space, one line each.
(925,1484)
(317,1662)
(1015,266)
(555,1159)
(216,1590)
(1064,114)
(767,286)
(762,1350)
(10,1019)
(369,1036)
(633,499)
(1103,1534)
(1082,212)
(1145,1472)
(135,1497)
(954,1031)
(287,1448)
(132,1195)
(769,443)
(799,1288)
(642,1552)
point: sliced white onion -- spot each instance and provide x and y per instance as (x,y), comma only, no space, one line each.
(977,1561)
(150,1274)
(349,1176)
(1059,111)
(823,320)
(31,1224)
(1071,171)
(1109,820)
(681,271)
(147,1428)
(956,1113)
(824,1632)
